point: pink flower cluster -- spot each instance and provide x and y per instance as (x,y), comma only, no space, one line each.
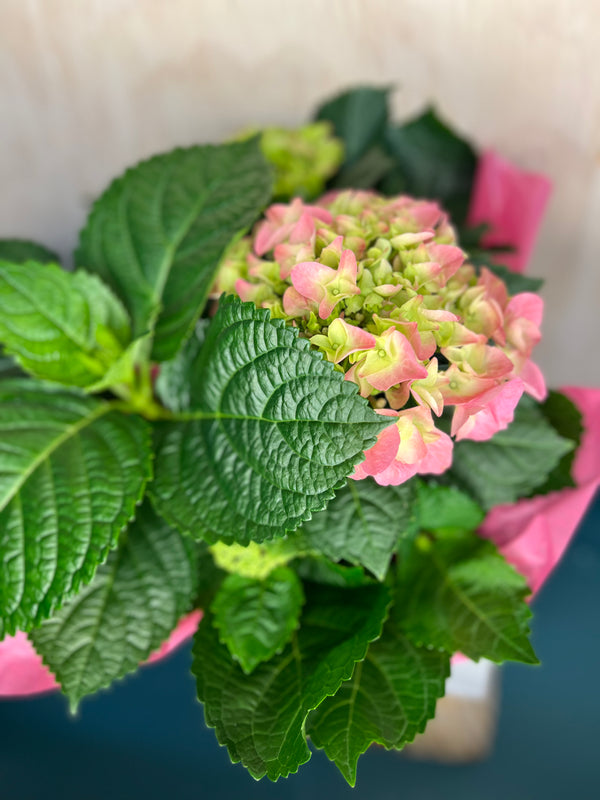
(381,288)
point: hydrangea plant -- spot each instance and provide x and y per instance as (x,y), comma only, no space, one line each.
(293,421)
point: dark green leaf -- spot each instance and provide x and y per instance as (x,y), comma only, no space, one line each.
(61,326)
(260,717)
(71,473)
(273,431)
(210,576)
(173,382)
(359,117)
(365,173)
(511,463)
(157,234)
(456,592)
(256,618)
(363,525)
(126,613)
(566,419)
(432,162)
(318,569)
(445,507)
(389,699)
(20,250)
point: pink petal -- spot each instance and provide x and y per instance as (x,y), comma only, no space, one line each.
(487,414)
(309,277)
(533,380)
(512,202)
(439,456)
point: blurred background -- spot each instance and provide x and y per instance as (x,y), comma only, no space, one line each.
(87,88)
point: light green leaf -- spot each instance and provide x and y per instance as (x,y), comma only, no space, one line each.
(456,592)
(389,699)
(260,717)
(21,250)
(363,525)
(158,232)
(511,463)
(71,473)
(62,326)
(443,507)
(256,618)
(272,432)
(127,612)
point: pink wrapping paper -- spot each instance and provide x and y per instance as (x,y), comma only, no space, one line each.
(532,534)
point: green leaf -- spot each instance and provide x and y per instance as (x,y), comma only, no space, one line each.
(445,507)
(60,326)
(359,117)
(272,432)
(20,250)
(363,525)
(210,576)
(432,162)
(126,613)
(456,592)
(260,717)
(158,232)
(71,473)
(8,368)
(511,463)
(366,172)
(567,421)
(389,699)
(256,618)
(173,383)
(318,569)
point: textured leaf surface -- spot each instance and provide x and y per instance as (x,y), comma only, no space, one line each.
(256,618)
(566,419)
(21,250)
(359,117)
(389,699)
(363,525)
(442,507)
(260,717)
(272,431)
(158,232)
(513,462)
(61,326)
(432,162)
(459,594)
(129,609)
(71,473)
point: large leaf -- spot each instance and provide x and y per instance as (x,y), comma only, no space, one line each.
(128,610)
(443,507)
(363,525)
(456,592)
(62,326)
(389,699)
(71,473)
(260,717)
(21,250)
(513,462)
(256,618)
(272,432)
(173,382)
(359,117)
(158,232)
(567,421)
(432,162)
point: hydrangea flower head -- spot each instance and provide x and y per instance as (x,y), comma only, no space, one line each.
(382,289)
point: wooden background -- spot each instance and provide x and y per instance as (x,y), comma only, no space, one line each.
(90,86)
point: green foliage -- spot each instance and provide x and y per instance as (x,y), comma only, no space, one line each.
(445,507)
(511,463)
(18,251)
(173,382)
(364,525)
(158,232)
(566,419)
(129,609)
(272,432)
(71,473)
(457,593)
(61,326)
(389,699)
(260,717)
(256,618)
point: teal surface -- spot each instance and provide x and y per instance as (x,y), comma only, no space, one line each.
(146,738)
